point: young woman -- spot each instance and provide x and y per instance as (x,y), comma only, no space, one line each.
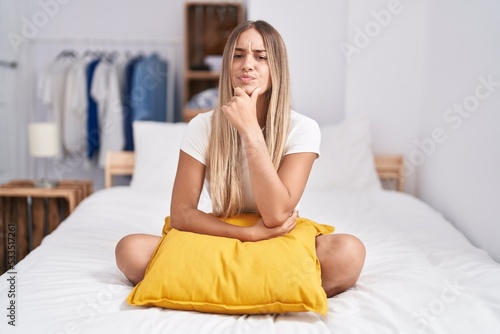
(255,154)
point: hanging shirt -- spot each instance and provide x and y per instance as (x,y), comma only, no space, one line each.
(128,116)
(93,136)
(149,89)
(107,94)
(75,108)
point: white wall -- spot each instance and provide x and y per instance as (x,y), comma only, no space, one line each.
(384,79)
(460,175)
(112,19)
(14,159)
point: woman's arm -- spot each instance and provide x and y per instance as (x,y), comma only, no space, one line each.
(185,216)
(276,194)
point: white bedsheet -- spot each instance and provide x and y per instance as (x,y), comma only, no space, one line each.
(420,276)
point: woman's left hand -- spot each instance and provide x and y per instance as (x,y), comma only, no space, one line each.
(260,231)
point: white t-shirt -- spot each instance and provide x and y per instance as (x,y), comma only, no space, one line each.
(75,108)
(304,136)
(106,92)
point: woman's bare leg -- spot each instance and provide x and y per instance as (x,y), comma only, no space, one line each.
(133,253)
(342,257)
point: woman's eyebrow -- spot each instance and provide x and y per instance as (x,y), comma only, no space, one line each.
(244,49)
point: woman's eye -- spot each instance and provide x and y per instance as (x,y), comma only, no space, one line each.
(261,57)
(238,56)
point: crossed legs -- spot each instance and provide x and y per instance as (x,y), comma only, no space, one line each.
(133,253)
(341,257)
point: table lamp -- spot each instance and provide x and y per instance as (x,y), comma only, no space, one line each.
(44,143)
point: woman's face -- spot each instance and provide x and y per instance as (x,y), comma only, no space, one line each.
(250,68)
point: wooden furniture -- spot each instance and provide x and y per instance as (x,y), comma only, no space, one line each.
(207,26)
(32,213)
(390,168)
(118,163)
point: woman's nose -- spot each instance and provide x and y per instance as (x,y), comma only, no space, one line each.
(248,64)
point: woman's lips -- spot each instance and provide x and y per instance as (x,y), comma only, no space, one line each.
(246,78)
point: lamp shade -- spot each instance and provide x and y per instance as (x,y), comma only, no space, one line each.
(43,139)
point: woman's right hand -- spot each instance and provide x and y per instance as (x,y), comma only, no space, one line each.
(260,231)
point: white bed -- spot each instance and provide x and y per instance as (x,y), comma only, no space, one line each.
(421,275)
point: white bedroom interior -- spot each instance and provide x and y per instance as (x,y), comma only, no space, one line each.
(426,74)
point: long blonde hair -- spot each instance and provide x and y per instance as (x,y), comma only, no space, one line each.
(224,149)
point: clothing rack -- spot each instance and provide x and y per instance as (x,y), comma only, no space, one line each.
(170,45)
(108,41)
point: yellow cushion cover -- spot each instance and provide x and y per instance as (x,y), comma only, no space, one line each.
(190,271)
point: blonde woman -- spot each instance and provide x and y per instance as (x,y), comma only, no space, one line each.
(255,153)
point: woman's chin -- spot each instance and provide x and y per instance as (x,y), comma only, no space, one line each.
(248,89)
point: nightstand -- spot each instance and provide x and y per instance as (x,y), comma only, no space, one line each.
(32,213)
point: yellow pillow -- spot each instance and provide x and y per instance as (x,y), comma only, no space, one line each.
(190,271)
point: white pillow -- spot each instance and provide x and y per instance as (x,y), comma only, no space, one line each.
(157,146)
(346,159)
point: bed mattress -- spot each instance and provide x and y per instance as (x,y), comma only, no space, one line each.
(421,275)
